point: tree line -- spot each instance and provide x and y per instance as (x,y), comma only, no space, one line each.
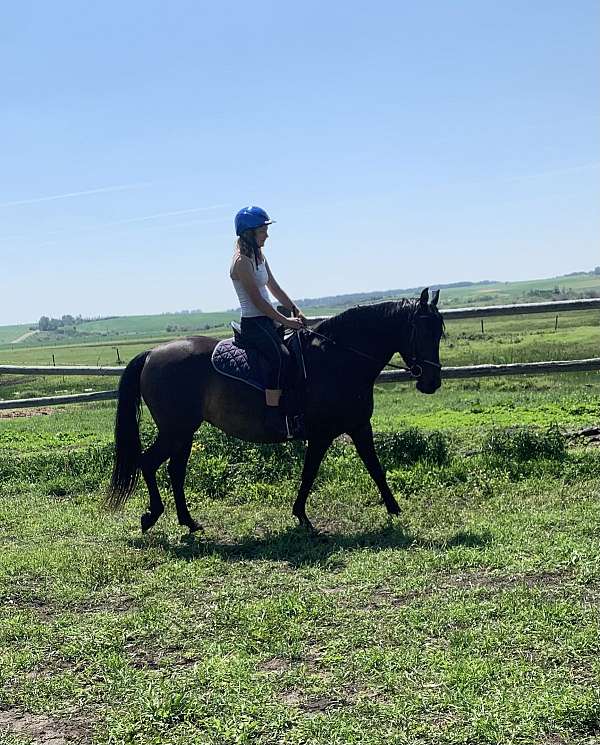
(52,324)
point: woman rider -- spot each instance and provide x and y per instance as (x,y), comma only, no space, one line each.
(252,278)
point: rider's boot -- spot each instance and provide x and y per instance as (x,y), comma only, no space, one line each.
(275,422)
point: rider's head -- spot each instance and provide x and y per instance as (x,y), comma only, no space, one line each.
(251,228)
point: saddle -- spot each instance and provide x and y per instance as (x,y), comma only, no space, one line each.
(237,359)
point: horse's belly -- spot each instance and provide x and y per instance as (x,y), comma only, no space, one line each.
(235,408)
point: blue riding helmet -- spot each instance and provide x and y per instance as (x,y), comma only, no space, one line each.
(251,217)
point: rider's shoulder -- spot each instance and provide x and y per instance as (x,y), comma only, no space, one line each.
(240,265)
(242,261)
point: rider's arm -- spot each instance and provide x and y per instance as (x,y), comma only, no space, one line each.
(244,272)
(279,294)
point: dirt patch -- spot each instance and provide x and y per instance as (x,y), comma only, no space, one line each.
(47,610)
(149,658)
(311,705)
(488,580)
(385,599)
(551,582)
(46,730)
(42,609)
(53,665)
(274,665)
(313,662)
(34,411)
(117,604)
(145,658)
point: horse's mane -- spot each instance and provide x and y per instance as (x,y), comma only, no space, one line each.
(369,317)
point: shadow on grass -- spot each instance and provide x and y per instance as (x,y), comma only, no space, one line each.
(299,548)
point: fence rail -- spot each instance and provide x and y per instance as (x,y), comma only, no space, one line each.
(59,370)
(390,376)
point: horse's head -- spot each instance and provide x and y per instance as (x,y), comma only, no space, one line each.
(422,353)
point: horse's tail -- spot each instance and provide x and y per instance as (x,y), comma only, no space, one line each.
(128,447)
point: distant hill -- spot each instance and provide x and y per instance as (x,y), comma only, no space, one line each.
(333,301)
(171,325)
(570,286)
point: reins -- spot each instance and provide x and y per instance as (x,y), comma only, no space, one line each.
(415,370)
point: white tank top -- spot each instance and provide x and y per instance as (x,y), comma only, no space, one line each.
(261,277)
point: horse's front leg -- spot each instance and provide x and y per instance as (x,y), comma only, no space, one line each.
(312,460)
(362,437)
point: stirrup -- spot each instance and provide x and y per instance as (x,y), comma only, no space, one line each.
(295,427)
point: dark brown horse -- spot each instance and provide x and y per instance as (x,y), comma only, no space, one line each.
(181,389)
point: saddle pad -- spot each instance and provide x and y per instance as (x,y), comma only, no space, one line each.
(235,362)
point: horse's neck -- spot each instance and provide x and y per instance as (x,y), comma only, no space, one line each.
(376,342)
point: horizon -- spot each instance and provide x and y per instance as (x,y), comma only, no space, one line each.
(443,285)
(393,144)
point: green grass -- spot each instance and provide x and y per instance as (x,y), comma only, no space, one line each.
(473,620)
(10,333)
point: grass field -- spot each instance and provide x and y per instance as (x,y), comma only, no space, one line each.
(10,333)
(537,290)
(472,620)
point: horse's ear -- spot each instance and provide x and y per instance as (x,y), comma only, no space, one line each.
(435,298)
(424,299)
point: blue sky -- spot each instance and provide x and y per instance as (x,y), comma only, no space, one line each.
(397,144)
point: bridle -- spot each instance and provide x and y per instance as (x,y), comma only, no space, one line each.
(416,365)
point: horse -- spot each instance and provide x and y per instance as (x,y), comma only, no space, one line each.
(343,357)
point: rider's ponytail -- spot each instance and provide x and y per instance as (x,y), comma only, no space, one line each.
(248,246)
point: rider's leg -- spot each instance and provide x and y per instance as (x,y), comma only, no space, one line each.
(262,333)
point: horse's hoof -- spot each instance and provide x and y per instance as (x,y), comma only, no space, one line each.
(194,526)
(147,521)
(306,524)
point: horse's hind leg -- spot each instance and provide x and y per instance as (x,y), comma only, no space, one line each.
(312,460)
(152,459)
(177,468)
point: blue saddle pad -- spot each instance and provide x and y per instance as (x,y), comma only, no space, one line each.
(239,363)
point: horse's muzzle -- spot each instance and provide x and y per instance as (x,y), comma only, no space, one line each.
(429,386)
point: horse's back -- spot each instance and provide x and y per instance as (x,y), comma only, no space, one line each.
(180,349)
(174,379)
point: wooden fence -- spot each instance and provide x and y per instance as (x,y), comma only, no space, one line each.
(389,376)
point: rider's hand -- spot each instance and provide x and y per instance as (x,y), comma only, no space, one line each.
(293,323)
(297,313)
